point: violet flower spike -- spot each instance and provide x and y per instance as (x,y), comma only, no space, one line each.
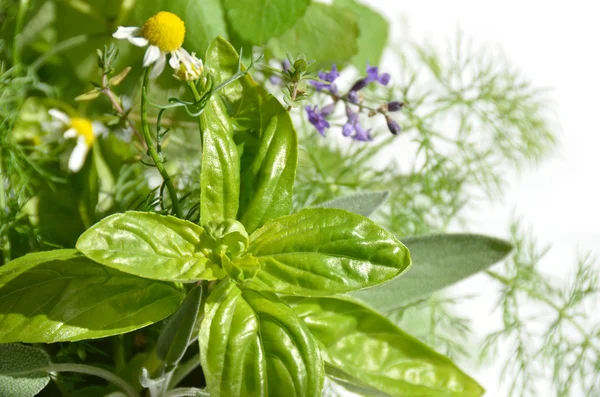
(353,126)
(317,119)
(373,75)
(328,80)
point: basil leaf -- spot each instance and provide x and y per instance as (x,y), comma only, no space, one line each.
(350,383)
(175,336)
(360,203)
(256,21)
(439,261)
(220,173)
(149,245)
(22,370)
(324,251)
(62,296)
(369,347)
(327,33)
(252,344)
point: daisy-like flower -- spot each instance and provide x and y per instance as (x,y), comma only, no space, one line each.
(163,33)
(84,130)
(189,69)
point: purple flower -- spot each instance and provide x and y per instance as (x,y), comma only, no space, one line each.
(317,118)
(328,79)
(353,126)
(373,75)
(393,126)
(353,97)
(275,79)
(394,106)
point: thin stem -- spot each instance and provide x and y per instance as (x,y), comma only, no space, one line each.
(184,370)
(197,97)
(187,392)
(99,372)
(152,149)
(16,55)
(3,207)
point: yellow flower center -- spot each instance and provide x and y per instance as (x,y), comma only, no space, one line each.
(83,127)
(164,30)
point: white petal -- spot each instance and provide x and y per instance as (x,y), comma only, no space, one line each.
(78,155)
(70,133)
(125,32)
(183,54)
(60,116)
(159,66)
(138,41)
(99,129)
(151,55)
(174,61)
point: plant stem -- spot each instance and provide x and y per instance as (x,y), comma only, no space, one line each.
(187,392)
(158,161)
(3,207)
(16,54)
(99,372)
(197,97)
(184,370)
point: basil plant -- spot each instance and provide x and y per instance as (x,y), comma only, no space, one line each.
(276,302)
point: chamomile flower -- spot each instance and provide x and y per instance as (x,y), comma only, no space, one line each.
(81,128)
(163,33)
(189,69)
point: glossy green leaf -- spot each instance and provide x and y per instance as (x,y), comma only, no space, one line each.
(360,203)
(62,296)
(369,347)
(149,245)
(324,251)
(174,338)
(256,21)
(373,37)
(439,261)
(22,370)
(252,344)
(220,174)
(351,383)
(268,182)
(327,33)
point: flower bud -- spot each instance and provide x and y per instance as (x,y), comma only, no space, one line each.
(394,106)
(359,85)
(393,126)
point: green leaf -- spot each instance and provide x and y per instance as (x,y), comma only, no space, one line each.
(175,336)
(374,31)
(22,370)
(369,347)
(350,383)
(220,173)
(439,261)
(204,20)
(149,245)
(252,344)
(62,296)
(256,21)
(360,203)
(327,33)
(324,251)
(268,181)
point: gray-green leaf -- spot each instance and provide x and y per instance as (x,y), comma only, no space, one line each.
(22,370)
(63,296)
(325,251)
(369,347)
(364,203)
(252,344)
(149,245)
(439,261)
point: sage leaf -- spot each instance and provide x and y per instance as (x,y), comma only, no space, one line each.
(324,251)
(220,173)
(371,348)
(364,203)
(439,261)
(256,21)
(149,245)
(175,336)
(252,344)
(22,370)
(63,296)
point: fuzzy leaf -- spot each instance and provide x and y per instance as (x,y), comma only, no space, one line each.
(360,203)
(369,347)
(439,261)
(252,344)
(62,296)
(149,245)
(325,251)
(22,370)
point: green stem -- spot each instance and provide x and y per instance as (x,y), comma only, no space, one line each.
(3,207)
(16,55)
(119,352)
(99,372)
(152,149)
(197,97)
(184,370)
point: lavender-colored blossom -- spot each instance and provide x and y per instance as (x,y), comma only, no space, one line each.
(317,118)
(328,80)
(373,75)
(394,106)
(353,97)
(393,126)
(353,129)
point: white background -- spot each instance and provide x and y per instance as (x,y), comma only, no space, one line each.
(555,44)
